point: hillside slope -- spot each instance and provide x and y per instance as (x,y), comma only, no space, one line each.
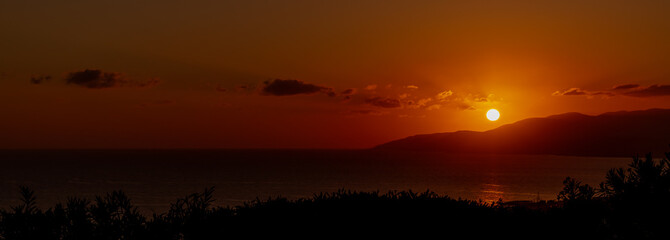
(621,134)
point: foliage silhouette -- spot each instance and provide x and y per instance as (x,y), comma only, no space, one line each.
(574,190)
(114,217)
(640,196)
(630,204)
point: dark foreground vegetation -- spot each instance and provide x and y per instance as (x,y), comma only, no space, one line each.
(630,204)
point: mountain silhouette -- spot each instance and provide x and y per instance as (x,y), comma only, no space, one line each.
(613,134)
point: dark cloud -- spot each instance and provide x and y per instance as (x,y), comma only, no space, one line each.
(625,86)
(349,91)
(383,102)
(221,89)
(463,106)
(604,93)
(148,83)
(651,91)
(279,87)
(97,79)
(244,88)
(39,79)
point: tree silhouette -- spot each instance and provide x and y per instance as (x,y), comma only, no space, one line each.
(574,190)
(645,179)
(639,196)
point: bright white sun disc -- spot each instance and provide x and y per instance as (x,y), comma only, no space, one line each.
(493,114)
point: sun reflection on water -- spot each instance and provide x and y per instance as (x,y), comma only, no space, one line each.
(491,193)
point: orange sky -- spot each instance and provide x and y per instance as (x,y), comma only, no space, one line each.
(315,74)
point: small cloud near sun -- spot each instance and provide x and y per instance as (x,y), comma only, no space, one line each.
(383,102)
(434,107)
(371,87)
(443,95)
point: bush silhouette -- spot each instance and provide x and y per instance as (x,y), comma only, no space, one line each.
(76,219)
(26,221)
(114,217)
(631,203)
(191,217)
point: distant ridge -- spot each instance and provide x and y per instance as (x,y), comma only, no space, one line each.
(612,134)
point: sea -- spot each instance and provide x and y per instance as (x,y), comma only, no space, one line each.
(155,178)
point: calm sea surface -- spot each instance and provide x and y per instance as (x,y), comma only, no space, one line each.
(155,178)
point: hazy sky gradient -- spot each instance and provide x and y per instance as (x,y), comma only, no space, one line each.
(209,74)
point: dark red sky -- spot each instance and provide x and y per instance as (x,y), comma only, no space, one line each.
(315,74)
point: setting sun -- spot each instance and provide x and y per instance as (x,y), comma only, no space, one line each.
(492,114)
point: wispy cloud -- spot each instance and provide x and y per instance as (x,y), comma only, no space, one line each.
(40,79)
(349,91)
(393,98)
(444,95)
(631,90)
(650,91)
(384,102)
(570,92)
(446,99)
(625,86)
